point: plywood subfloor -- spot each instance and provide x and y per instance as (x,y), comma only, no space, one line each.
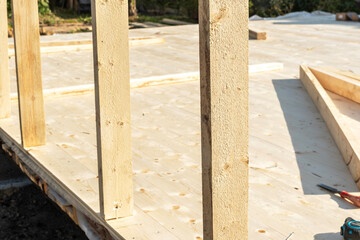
(291,149)
(290,152)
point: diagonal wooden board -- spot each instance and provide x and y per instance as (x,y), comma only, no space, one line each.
(341,117)
(341,72)
(339,84)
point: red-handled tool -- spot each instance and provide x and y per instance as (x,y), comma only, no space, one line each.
(354,200)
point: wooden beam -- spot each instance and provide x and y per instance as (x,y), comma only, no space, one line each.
(135,41)
(257,35)
(352,16)
(339,84)
(224,36)
(28,71)
(72,46)
(5,105)
(62,43)
(265,67)
(342,135)
(341,72)
(147,81)
(112,94)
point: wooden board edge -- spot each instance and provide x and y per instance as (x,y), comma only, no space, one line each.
(76,46)
(46,181)
(338,84)
(345,73)
(148,81)
(253,34)
(331,115)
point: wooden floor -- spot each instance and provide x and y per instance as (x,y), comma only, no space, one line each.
(291,149)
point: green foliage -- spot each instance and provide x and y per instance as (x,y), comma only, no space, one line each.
(281,7)
(9,9)
(44,8)
(191,8)
(266,8)
(251,8)
(84,19)
(334,5)
(326,5)
(188,8)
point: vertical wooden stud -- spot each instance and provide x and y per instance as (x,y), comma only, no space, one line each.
(224,80)
(28,71)
(5,105)
(112,94)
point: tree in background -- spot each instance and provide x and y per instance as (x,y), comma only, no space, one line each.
(132,8)
(272,8)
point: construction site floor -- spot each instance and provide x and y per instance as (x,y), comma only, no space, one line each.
(291,149)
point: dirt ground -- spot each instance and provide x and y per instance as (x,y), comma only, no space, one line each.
(26,213)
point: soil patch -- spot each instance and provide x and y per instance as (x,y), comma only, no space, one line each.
(26,213)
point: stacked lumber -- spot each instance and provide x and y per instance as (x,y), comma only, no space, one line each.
(336,94)
(348,16)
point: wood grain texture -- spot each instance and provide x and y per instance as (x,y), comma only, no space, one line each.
(49,47)
(339,84)
(112,95)
(28,71)
(5,106)
(341,134)
(341,72)
(224,35)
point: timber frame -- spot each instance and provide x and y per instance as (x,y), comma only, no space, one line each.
(224,80)
(316,82)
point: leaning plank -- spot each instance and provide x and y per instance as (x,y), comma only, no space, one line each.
(257,35)
(86,45)
(145,41)
(333,118)
(62,43)
(339,84)
(224,36)
(5,105)
(139,41)
(265,67)
(352,16)
(28,72)
(148,81)
(112,95)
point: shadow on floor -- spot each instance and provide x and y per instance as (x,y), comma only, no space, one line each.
(317,156)
(328,236)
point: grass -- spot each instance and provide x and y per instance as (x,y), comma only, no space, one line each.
(60,15)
